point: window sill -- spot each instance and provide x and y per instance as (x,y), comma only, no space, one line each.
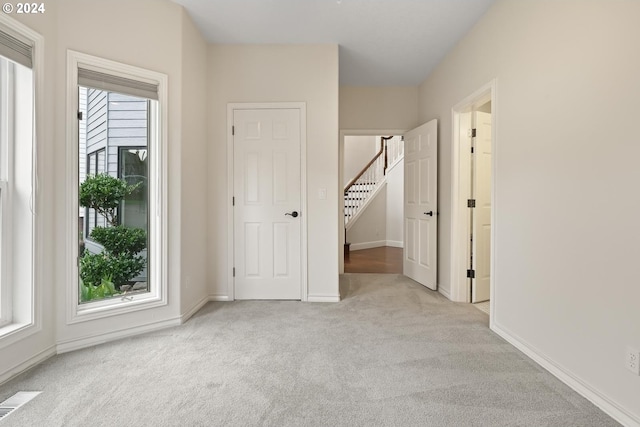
(115,306)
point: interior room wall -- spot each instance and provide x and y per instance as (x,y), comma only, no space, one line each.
(391,108)
(194,283)
(278,73)
(370,228)
(566,177)
(395,205)
(154,44)
(369,108)
(158,46)
(381,223)
(358,151)
(18,356)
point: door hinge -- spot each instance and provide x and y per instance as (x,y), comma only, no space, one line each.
(234,272)
(233,130)
(80,115)
(233,201)
(471,274)
(471,150)
(471,203)
(471,133)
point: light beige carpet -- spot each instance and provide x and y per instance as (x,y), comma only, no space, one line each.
(392,353)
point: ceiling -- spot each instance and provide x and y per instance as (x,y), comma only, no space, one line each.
(382,42)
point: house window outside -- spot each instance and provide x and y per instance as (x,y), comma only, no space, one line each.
(17,195)
(120,267)
(113,251)
(95,165)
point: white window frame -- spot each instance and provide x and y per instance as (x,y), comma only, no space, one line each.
(7,91)
(157,232)
(22,307)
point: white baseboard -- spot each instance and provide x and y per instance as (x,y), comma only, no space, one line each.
(445,292)
(79,343)
(27,364)
(219,298)
(367,245)
(186,316)
(590,393)
(323,298)
(376,244)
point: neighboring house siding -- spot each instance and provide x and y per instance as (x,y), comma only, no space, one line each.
(82,148)
(111,121)
(82,128)
(127,126)
(96,120)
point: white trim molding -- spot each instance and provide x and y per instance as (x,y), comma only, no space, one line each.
(581,387)
(189,314)
(30,362)
(323,298)
(367,245)
(66,346)
(231,107)
(460,189)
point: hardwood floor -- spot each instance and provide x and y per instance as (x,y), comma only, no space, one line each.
(375,260)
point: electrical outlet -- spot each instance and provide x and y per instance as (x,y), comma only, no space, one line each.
(633,360)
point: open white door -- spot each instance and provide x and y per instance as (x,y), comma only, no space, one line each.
(481,244)
(420,257)
(267,194)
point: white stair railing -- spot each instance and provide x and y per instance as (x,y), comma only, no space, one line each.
(360,189)
(395,150)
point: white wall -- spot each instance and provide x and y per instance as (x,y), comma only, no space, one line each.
(566,182)
(88,27)
(278,73)
(393,107)
(370,227)
(395,205)
(194,223)
(169,44)
(17,356)
(358,151)
(381,223)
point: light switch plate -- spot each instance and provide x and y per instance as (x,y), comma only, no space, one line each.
(322,193)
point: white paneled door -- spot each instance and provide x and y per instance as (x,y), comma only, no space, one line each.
(420,258)
(481,188)
(267,192)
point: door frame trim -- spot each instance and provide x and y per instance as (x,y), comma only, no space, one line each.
(302,106)
(460,285)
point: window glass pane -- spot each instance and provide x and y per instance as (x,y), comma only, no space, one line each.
(113,194)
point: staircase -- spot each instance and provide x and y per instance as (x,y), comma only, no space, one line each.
(361,189)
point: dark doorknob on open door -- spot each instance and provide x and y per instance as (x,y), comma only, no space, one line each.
(293,214)
(430,213)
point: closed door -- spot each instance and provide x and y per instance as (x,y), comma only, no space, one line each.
(420,256)
(481,222)
(267,194)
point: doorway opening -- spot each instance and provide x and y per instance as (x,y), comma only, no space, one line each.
(473,180)
(372,179)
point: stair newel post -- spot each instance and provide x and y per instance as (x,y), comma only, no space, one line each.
(386,157)
(384,146)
